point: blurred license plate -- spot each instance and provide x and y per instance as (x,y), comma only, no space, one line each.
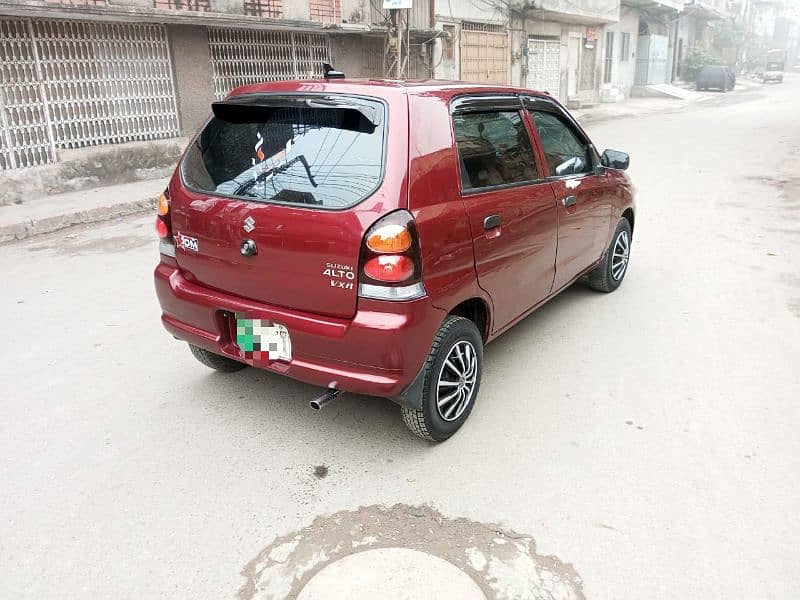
(261,340)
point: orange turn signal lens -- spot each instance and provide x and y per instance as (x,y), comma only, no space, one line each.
(390,238)
(163,204)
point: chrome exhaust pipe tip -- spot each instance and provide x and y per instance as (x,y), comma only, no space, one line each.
(329,395)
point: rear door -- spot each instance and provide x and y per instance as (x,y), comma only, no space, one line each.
(511,209)
(270,201)
(583,194)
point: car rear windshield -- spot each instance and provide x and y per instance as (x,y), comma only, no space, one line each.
(324,152)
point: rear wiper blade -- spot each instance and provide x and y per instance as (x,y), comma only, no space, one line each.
(275,170)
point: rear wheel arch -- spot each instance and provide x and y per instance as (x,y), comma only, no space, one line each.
(477,311)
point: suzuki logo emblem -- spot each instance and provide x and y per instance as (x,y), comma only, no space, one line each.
(249,224)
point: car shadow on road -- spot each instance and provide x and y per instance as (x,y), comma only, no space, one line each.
(265,400)
(268,401)
(525,332)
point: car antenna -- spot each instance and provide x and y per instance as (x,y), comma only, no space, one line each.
(331,73)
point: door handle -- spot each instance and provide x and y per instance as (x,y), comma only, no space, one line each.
(492,221)
(569,201)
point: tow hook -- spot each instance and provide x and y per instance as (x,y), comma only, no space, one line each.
(329,395)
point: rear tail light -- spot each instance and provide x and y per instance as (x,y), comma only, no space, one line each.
(166,243)
(390,266)
(393,268)
(161,228)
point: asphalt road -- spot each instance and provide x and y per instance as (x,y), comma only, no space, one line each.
(648,437)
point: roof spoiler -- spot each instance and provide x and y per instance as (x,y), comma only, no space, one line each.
(249,108)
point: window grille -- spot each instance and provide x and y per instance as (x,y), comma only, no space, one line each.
(608,57)
(192,5)
(271,9)
(244,56)
(485,27)
(625,49)
(79,2)
(70,84)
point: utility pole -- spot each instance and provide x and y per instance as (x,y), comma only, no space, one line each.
(397,50)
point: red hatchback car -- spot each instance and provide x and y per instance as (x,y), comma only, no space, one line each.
(373,236)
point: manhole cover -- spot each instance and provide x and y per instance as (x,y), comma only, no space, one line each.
(391,574)
(406,552)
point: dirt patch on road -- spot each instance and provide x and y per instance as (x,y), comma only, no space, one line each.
(503,563)
(788,187)
(794,306)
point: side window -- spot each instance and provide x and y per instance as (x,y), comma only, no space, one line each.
(566,153)
(494,149)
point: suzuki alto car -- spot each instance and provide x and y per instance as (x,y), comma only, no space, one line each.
(374,236)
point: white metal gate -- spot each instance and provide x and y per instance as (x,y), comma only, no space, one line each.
(544,66)
(651,60)
(70,84)
(244,56)
(25,139)
(484,53)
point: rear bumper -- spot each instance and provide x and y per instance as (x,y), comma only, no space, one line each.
(378,352)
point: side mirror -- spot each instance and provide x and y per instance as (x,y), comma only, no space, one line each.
(614,159)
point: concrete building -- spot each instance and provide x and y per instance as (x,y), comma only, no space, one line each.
(657,41)
(555,47)
(570,34)
(619,54)
(767,20)
(475,42)
(78,73)
(695,29)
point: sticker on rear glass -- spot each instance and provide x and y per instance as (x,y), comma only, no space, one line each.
(186,243)
(341,276)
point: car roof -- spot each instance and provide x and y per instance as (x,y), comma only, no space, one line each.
(384,87)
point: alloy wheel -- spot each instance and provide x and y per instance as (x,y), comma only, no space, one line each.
(619,260)
(456,384)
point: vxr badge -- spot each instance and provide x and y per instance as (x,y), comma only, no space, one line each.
(249,224)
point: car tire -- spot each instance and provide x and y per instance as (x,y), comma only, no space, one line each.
(215,361)
(457,341)
(608,275)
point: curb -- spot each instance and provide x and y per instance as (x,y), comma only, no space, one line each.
(39,226)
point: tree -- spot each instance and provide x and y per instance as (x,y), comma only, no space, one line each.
(696,59)
(729,35)
(729,39)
